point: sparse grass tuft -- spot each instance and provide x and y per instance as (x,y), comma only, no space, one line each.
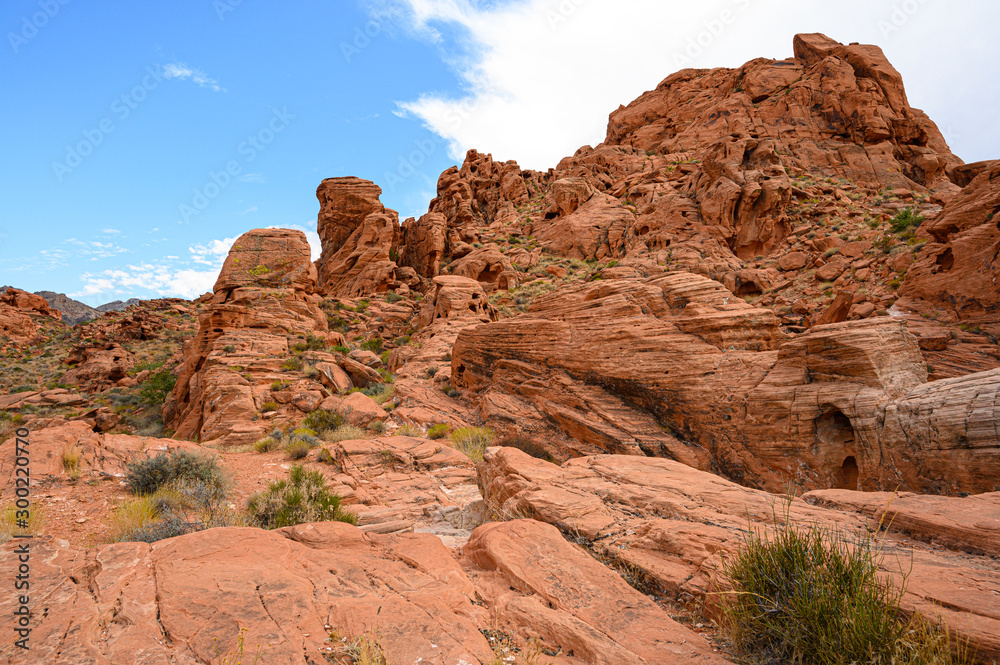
(297,449)
(344,433)
(266,445)
(321,420)
(472,441)
(409,430)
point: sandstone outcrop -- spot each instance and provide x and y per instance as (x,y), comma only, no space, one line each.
(265,292)
(687,371)
(674,523)
(957,271)
(183,601)
(98,367)
(360,238)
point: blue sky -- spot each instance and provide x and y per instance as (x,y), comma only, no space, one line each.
(140,138)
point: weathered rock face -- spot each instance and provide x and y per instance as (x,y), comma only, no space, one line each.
(359,236)
(28,301)
(266,291)
(674,523)
(957,271)
(426,240)
(98,367)
(186,598)
(488,266)
(678,367)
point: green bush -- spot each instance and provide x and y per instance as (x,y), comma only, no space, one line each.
(438,431)
(374,345)
(148,475)
(155,389)
(377,426)
(269,406)
(409,430)
(472,441)
(302,498)
(293,364)
(340,348)
(905,219)
(324,456)
(321,420)
(814,595)
(393,297)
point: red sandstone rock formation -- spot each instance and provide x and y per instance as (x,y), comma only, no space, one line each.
(266,291)
(957,271)
(678,367)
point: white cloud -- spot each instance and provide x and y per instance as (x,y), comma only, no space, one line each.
(110,231)
(162,280)
(252,177)
(248,211)
(541,76)
(212,253)
(182,72)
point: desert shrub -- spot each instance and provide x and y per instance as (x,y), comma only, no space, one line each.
(292,364)
(321,420)
(24,388)
(526,444)
(393,297)
(409,430)
(301,498)
(340,348)
(278,386)
(438,431)
(71,457)
(148,475)
(229,348)
(905,219)
(374,345)
(344,433)
(324,456)
(450,392)
(472,441)
(270,405)
(155,389)
(377,426)
(815,595)
(266,445)
(297,448)
(380,392)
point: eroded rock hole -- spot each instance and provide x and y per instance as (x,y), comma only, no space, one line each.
(488,276)
(748,289)
(835,441)
(848,475)
(946,260)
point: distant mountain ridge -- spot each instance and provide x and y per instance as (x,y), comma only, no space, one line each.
(74,311)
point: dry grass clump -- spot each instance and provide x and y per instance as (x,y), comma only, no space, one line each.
(345,433)
(472,441)
(71,458)
(816,595)
(409,430)
(9,522)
